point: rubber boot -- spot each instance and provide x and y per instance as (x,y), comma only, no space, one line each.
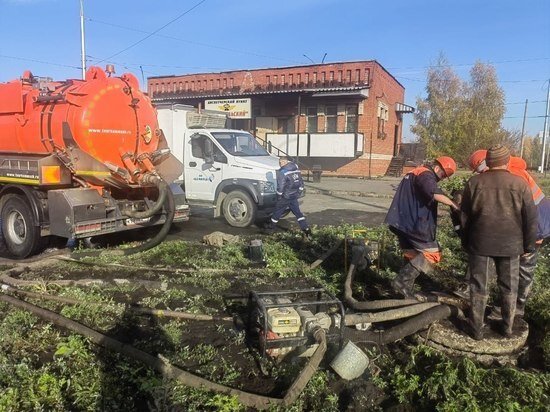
(404,281)
(307,233)
(527,265)
(477,312)
(508,311)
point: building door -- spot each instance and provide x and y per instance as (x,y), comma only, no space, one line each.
(396,140)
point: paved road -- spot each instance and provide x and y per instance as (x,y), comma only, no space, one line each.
(319,209)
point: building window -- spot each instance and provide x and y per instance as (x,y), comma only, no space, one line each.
(218,82)
(348,76)
(383,116)
(225,83)
(307,78)
(268,79)
(299,78)
(311,116)
(290,79)
(315,77)
(331,76)
(282,79)
(285,125)
(211,84)
(231,82)
(331,119)
(351,118)
(357,75)
(340,76)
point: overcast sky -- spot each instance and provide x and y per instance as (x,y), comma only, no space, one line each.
(217,35)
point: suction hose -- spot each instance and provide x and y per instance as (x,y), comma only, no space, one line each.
(404,329)
(163,191)
(170,206)
(173,372)
(372,305)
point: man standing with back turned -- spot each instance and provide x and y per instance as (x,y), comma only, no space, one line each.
(500,225)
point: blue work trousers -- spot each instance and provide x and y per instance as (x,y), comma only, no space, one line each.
(283,205)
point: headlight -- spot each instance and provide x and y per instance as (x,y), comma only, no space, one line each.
(266,187)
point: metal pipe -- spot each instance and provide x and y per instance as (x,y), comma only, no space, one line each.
(82,40)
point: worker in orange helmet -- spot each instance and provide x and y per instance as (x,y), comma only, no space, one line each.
(528,261)
(412,217)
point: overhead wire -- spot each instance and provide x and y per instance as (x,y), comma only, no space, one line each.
(40,61)
(240,51)
(155,31)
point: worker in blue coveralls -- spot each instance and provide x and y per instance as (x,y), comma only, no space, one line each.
(412,217)
(290,186)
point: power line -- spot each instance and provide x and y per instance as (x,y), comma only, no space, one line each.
(156,31)
(449,80)
(250,53)
(40,61)
(163,66)
(521,117)
(533,101)
(469,64)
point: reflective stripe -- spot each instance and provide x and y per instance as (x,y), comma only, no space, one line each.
(274,221)
(291,172)
(301,218)
(280,193)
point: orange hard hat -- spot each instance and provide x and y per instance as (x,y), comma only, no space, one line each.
(447,164)
(517,163)
(477,161)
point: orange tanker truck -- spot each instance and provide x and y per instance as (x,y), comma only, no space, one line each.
(81,158)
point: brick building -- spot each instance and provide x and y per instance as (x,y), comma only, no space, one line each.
(353,106)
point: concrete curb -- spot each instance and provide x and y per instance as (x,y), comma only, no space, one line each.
(316,190)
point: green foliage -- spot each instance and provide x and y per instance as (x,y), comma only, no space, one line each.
(41,368)
(432,381)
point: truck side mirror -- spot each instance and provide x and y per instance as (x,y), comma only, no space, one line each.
(208,151)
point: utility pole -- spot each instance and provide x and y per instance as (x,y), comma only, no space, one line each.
(82,45)
(545,130)
(523,129)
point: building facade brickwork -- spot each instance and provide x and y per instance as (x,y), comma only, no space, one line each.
(337,98)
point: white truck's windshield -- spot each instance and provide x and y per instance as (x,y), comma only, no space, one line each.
(240,144)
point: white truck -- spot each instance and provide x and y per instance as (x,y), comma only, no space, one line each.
(226,168)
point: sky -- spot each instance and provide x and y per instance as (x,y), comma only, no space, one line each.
(163,37)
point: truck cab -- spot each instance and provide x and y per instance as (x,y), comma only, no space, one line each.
(225,168)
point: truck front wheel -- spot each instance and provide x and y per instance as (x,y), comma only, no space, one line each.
(21,234)
(239,209)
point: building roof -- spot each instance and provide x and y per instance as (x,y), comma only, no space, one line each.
(180,96)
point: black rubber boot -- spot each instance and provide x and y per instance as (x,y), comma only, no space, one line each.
(404,281)
(477,312)
(527,265)
(508,311)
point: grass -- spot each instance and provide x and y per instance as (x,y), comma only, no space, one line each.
(45,368)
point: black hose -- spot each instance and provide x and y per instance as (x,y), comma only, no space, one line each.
(372,305)
(163,191)
(392,314)
(404,329)
(163,232)
(173,372)
(170,206)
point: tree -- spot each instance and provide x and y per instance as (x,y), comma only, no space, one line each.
(458,117)
(438,116)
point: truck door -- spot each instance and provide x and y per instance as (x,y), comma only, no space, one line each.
(204,163)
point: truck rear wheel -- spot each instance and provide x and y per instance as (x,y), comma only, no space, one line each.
(21,234)
(239,209)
